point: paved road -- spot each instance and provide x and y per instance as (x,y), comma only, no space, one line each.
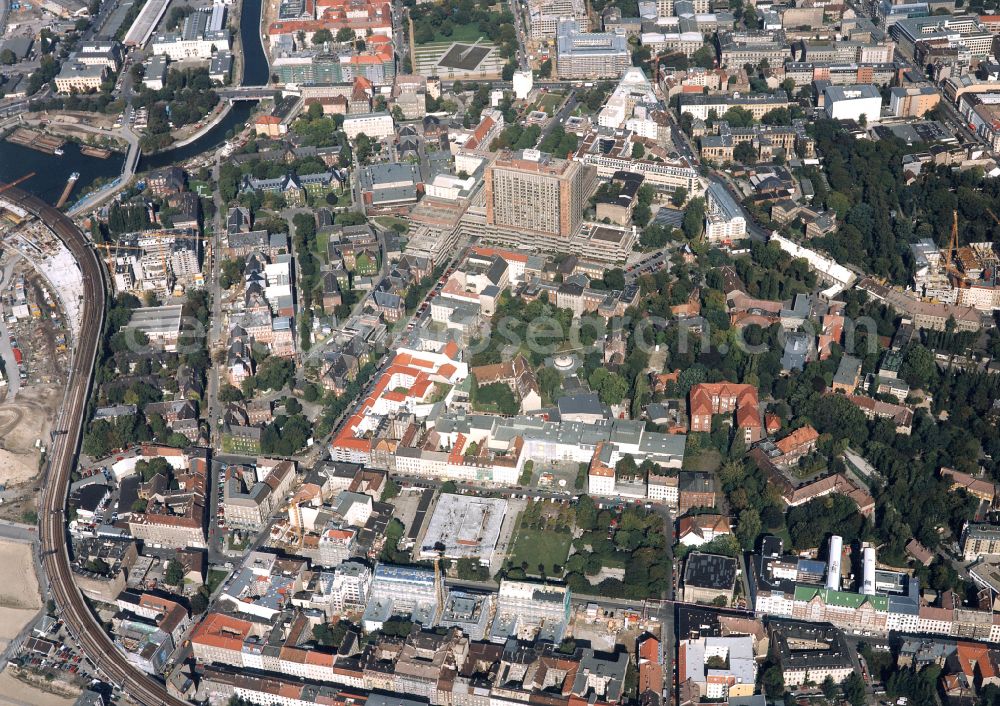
(522,37)
(67,433)
(129,168)
(18,532)
(569,105)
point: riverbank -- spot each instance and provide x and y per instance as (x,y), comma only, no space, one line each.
(51,171)
(254,73)
(202,131)
(238,68)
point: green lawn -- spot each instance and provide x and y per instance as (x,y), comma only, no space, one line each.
(537,547)
(461,33)
(705,460)
(202,188)
(235,545)
(215,577)
(549,102)
(390,221)
(322,243)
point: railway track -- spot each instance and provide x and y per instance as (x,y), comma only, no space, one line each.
(74,611)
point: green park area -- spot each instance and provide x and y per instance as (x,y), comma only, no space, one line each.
(434,23)
(534,547)
(629,537)
(458,33)
(548,102)
(396,224)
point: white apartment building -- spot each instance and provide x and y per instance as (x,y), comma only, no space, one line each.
(374,125)
(335,545)
(345,588)
(724,219)
(202,34)
(663,489)
(601,480)
(851,102)
(544,16)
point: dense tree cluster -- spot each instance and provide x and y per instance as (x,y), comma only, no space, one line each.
(638,543)
(495,397)
(518,317)
(286,435)
(867,178)
(440,22)
(186,97)
(128,217)
(559,142)
(515,137)
(336,405)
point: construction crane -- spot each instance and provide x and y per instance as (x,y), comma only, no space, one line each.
(438,584)
(952,250)
(110,256)
(165,247)
(14,183)
(112,249)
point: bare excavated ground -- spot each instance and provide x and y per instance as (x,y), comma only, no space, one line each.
(22,423)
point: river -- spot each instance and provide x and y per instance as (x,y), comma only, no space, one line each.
(51,171)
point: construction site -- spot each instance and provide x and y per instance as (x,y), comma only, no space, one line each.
(34,352)
(464,527)
(966,275)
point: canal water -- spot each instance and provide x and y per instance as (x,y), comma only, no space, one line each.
(51,171)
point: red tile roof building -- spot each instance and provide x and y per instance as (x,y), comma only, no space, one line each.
(710,398)
(363,17)
(796,445)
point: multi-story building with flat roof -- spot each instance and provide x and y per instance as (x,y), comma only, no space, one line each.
(533,191)
(100,53)
(668,8)
(345,588)
(731,674)
(612,154)
(765,139)
(583,55)
(402,590)
(708,577)
(250,496)
(810,652)
(78,77)
(544,16)
(912,101)
(803,73)
(964,32)
(980,540)
(753,47)
(318,66)
(525,605)
(724,219)
(852,102)
(758,104)
(202,34)
(336,544)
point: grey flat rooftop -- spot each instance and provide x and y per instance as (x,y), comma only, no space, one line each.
(464,527)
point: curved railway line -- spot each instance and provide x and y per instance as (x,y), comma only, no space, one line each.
(68,430)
